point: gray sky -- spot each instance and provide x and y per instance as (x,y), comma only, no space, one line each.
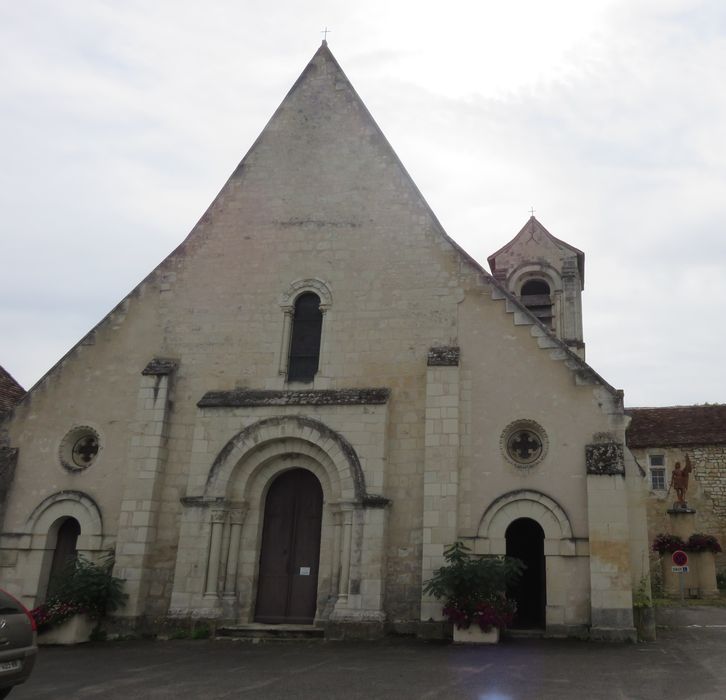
(120,121)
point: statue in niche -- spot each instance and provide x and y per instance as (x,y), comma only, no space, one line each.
(679,482)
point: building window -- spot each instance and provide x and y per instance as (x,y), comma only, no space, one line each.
(524,443)
(79,448)
(657,472)
(307,327)
(536,297)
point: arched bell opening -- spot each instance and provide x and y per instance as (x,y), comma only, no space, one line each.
(536,296)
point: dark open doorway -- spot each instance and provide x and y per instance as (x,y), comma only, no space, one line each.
(525,540)
(287,586)
(64,551)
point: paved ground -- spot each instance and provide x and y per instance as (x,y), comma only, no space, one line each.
(688,661)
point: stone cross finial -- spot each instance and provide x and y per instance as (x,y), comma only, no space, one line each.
(531,211)
(325,33)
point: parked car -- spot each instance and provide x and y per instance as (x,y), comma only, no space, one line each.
(18,643)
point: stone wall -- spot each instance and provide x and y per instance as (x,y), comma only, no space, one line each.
(706,490)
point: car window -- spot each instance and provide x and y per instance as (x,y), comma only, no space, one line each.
(8,604)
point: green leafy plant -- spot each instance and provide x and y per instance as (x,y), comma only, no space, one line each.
(641,598)
(201,632)
(82,586)
(474,588)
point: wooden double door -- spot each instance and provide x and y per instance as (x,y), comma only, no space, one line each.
(287,583)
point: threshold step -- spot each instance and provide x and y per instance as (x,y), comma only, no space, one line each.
(260,631)
(533,633)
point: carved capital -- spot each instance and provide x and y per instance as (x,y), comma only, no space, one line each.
(605,458)
(219,516)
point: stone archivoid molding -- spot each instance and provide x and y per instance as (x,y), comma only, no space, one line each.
(74,504)
(250,398)
(312,284)
(444,356)
(525,503)
(339,453)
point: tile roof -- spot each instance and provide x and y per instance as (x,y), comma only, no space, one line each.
(677,425)
(10,392)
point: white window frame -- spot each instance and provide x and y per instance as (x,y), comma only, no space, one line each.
(658,469)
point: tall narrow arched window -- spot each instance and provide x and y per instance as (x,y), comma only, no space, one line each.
(536,297)
(307,326)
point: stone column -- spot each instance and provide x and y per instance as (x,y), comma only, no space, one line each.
(236,519)
(337,539)
(441,466)
(345,554)
(215,553)
(285,341)
(141,499)
(611,584)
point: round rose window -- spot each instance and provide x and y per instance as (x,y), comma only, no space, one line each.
(524,443)
(79,448)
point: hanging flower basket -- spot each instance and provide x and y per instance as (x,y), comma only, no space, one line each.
(697,542)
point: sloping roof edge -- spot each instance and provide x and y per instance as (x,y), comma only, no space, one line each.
(677,426)
(325,51)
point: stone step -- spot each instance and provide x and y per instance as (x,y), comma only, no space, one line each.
(534,633)
(261,631)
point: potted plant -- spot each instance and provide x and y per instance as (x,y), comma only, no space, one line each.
(473,589)
(79,597)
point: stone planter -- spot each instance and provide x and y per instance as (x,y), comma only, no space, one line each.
(475,635)
(75,630)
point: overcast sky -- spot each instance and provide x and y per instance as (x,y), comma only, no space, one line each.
(120,121)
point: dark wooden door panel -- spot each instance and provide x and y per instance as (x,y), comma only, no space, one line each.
(289,559)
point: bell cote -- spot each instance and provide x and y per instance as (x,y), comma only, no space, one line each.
(547,275)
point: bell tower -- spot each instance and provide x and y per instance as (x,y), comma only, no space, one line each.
(547,275)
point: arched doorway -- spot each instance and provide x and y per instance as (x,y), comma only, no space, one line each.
(525,540)
(287,583)
(65,548)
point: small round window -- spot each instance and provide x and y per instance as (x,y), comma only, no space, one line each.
(79,448)
(524,443)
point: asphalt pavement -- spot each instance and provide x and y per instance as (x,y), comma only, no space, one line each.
(687,661)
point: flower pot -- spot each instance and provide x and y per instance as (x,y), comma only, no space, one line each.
(75,630)
(475,635)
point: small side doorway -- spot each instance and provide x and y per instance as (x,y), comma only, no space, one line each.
(525,540)
(64,551)
(287,584)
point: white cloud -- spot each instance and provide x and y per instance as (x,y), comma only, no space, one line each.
(119,122)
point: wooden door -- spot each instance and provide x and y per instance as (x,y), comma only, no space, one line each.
(287,584)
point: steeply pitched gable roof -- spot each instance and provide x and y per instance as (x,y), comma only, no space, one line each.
(10,392)
(529,229)
(674,426)
(323,64)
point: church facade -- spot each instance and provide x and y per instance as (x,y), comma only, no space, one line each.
(318,391)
